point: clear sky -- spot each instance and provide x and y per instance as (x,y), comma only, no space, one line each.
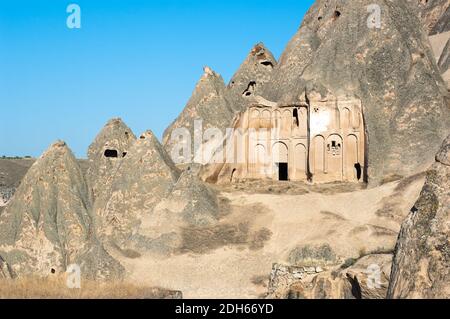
(134,59)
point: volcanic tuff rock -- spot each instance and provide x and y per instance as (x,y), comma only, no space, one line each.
(5,270)
(392,70)
(254,72)
(142,179)
(368,278)
(435,15)
(107,150)
(208,103)
(47,226)
(191,202)
(444,60)
(421,266)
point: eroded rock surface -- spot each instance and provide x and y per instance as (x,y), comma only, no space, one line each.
(109,147)
(191,202)
(368,278)
(48,225)
(208,103)
(143,178)
(254,72)
(435,15)
(421,266)
(391,69)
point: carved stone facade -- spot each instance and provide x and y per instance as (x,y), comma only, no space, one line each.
(315,141)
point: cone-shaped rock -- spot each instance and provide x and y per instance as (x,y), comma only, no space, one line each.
(47,225)
(421,268)
(340,52)
(109,147)
(191,202)
(254,72)
(144,177)
(208,103)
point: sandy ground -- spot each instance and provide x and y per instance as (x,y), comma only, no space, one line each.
(350,223)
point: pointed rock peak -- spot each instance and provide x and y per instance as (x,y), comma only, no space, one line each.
(49,220)
(58,147)
(109,147)
(113,125)
(210,76)
(209,72)
(263,55)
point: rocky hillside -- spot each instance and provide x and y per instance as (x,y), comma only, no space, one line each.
(391,69)
(422,259)
(48,224)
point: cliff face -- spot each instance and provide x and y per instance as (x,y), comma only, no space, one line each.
(391,69)
(421,266)
(47,226)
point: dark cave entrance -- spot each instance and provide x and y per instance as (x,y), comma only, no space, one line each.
(283,171)
(111,154)
(358,169)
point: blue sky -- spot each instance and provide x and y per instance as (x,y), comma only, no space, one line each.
(135,59)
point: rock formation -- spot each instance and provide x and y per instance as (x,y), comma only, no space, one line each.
(191,202)
(48,226)
(337,52)
(254,72)
(368,278)
(143,178)
(421,266)
(208,103)
(5,270)
(109,147)
(435,15)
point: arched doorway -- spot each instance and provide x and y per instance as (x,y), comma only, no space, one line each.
(335,150)
(353,169)
(300,162)
(318,151)
(280,159)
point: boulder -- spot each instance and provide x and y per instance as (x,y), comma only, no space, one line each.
(48,225)
(421,266)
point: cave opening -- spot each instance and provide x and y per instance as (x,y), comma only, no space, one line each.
(111,154)
(358,171)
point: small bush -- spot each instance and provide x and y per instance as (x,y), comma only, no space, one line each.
(306,255)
